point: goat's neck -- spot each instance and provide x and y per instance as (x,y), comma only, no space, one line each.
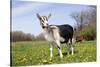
(46,30)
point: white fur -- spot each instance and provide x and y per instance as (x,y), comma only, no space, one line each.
(53,37)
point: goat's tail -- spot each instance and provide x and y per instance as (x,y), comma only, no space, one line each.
(74,36)
(74,32)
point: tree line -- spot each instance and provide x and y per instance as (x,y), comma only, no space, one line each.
(21,36)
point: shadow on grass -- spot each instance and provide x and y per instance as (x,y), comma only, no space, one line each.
(66,53)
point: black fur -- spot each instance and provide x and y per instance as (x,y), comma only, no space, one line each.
(66,31)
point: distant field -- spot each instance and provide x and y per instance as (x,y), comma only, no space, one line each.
(37,53)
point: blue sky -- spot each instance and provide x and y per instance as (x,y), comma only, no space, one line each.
(24,14)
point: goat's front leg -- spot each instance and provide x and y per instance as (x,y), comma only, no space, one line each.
(51,50)
(59,48)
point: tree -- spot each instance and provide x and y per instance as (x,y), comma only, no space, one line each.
(85,23)
(21,36)
(40,37)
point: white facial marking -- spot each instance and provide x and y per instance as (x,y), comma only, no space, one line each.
(44,21)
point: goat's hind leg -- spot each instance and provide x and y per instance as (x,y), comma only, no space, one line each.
(68,49)
(59,48)
(71,47)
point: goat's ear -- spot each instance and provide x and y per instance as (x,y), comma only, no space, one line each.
(49,16)
(38,16)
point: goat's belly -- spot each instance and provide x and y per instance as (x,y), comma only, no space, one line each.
(50,38)
(62,40)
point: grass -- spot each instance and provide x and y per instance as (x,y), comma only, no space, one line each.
(37,53)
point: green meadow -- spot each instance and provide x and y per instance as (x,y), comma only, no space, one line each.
(37,53)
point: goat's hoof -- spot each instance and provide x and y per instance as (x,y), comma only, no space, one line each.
(61,57)
(72,54)
(50,58)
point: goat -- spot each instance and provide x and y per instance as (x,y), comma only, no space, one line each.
(56,34)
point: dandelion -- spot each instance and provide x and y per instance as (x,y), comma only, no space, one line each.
(44,61)
(24,60)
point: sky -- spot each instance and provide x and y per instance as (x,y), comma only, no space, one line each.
(24,14)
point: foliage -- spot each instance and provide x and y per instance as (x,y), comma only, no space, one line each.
(88,33)
(20,36)
(37,53)
(40,37)
(85,23)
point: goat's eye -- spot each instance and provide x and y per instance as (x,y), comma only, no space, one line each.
(42,20)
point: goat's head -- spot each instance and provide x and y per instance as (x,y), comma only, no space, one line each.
(43,20)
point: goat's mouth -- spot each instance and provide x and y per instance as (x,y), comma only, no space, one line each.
(44,26)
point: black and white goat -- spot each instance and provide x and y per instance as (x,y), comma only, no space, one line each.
(56,34)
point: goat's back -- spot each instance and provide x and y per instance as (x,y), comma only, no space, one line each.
(65,31)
